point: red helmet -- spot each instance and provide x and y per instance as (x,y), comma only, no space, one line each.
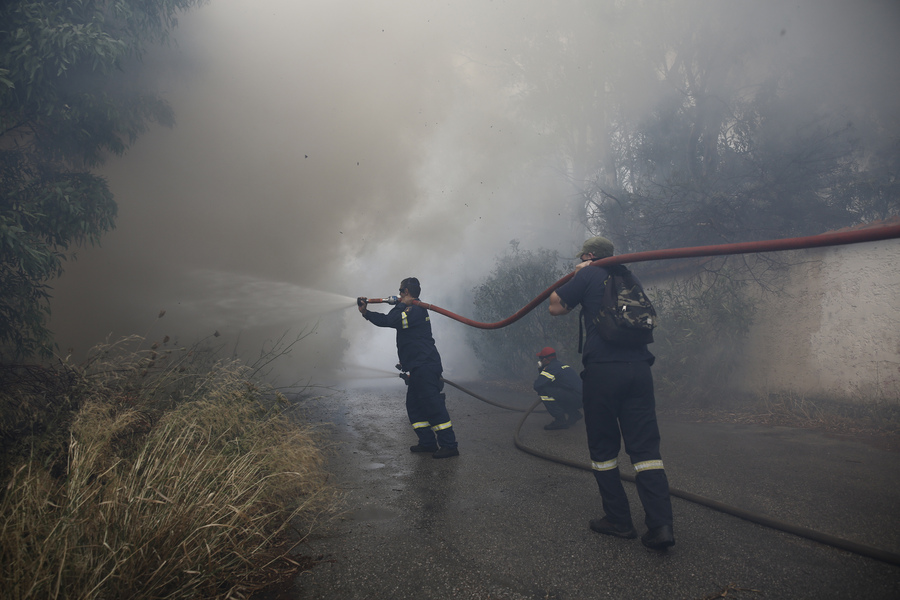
(546,351)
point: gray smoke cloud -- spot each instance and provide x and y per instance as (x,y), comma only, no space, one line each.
(328,149)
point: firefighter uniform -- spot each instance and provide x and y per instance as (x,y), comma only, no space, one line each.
(419,356)
(618,394)
(559,387)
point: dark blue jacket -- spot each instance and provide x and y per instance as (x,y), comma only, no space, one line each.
(415,344)
(586,289)
(560,382)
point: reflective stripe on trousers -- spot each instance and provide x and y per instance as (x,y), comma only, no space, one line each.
(426,408)
(619,405)
(638,467)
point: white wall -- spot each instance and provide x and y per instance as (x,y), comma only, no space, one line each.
(837,334)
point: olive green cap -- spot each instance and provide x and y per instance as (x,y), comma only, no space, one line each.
(599,246)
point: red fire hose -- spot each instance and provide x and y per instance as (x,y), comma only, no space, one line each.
(837,238)
(868,234)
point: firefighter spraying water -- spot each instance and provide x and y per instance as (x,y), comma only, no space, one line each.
(419,357)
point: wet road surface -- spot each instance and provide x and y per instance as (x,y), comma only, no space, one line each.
(498,523)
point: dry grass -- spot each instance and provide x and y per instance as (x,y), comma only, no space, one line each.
(178,483)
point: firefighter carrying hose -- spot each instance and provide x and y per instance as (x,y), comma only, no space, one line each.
(559,387)
(420,359)
(619,403)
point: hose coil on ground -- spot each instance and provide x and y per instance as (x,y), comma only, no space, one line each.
(759,519)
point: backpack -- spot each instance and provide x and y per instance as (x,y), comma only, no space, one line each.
(626,317)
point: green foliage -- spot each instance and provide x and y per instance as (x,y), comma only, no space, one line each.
(703,324)
(728,153)
(700,132)
(66,102)
(518,278)
(763,179)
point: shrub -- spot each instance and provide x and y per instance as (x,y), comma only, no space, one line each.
(703,323)
(518,277)
(177,482)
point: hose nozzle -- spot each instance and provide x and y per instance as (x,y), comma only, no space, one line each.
(385,300)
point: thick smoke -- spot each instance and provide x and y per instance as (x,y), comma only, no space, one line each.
(328,149)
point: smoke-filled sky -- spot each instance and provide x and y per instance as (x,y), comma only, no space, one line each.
(326,149)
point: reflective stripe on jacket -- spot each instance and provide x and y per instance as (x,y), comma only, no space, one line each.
(558,381)
(415,344)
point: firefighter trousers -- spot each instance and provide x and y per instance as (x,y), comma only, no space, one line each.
(619,405)
(427,410)
(562,407)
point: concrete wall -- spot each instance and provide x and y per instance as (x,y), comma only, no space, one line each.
(837,333)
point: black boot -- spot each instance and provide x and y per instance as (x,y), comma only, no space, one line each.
(421,448)
(445,452)
(624,531)
(659,538)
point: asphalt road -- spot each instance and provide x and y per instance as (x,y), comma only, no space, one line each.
(498,523)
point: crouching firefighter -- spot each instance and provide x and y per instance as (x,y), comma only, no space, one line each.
(559,387)
(421,368)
